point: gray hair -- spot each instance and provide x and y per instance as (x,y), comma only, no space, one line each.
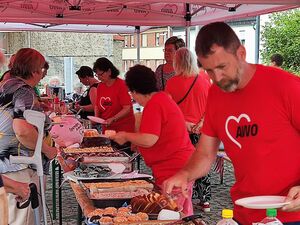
(185,63)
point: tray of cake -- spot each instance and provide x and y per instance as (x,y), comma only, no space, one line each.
(115,193)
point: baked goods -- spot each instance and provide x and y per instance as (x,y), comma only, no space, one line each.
(106,220)
(109,133)
(96,212)
(112,211)
(152,203)
(90,133)
(133,218)
(120,219)
(126,185)
(143,216)
(88,150)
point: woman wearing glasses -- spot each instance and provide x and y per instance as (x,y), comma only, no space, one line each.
(113,103)
(88,98)
(166,71)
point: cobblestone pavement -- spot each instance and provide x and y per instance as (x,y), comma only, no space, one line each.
(220,198)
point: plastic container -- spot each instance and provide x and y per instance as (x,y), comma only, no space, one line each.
(270,218)
(227,215)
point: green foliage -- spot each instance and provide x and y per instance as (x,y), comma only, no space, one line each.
(282,35)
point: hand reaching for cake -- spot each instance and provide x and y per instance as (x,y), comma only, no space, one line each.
(119,137)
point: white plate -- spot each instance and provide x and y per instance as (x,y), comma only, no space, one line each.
(262,202)
(96,119)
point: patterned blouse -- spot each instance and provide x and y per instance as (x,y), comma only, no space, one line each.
(162,77)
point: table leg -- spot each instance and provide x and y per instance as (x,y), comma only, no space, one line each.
(54,190)
(59,195)
(79,215)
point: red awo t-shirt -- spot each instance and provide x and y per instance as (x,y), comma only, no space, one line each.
(162,117)
(110,101)
(193,106)
(260,128)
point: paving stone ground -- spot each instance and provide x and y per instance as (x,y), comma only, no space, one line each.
(220,198)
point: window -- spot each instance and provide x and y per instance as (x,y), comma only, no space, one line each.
(144,40)
(132,41)
(126,41)
(157,39)
(165,35)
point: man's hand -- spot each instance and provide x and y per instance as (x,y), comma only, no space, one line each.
(179,180)
(119,137)
(109,121)
(293,197)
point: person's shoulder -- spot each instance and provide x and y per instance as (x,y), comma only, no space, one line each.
(159,68)
(275,73)
(120,83)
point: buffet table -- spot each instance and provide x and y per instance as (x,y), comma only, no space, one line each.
(87,206)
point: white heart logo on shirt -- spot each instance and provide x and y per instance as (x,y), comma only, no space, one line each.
(237,120)
(103,100)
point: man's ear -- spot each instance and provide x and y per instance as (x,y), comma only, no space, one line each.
(241,53)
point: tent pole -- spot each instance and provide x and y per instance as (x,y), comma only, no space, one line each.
(138,46)
(257,39)
(188,18)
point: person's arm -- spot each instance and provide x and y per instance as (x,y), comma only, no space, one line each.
(15,187)
(92,96)
(293,197)
(27,135)
(198,165)
(138,139)
(124,112)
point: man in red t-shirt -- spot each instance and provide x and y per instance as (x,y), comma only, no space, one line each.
(254,110)
(162,139)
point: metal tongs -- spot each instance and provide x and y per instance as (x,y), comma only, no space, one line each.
(194,219)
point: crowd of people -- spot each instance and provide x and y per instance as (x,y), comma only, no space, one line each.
(191,105)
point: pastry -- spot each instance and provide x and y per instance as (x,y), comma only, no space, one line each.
(110,211)
(143,216)
(106,220)
(133,218)
(120,219)
(152,203)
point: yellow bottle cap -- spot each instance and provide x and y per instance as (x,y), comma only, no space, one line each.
(227,213)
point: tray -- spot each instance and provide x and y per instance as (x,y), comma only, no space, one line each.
(115,177)
(110,203)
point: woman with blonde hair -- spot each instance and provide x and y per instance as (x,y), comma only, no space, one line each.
(189,89)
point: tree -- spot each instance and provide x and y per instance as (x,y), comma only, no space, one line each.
(282,35)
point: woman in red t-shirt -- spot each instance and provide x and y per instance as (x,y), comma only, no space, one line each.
(162,138)
(113,102)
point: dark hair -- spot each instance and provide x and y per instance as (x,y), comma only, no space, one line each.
(85,71)
(46,65)
(141,79)
(277,59)
(104,64)
(177,42)
(27,61)
(218,33)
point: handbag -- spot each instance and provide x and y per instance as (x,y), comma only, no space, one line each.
(184,97)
